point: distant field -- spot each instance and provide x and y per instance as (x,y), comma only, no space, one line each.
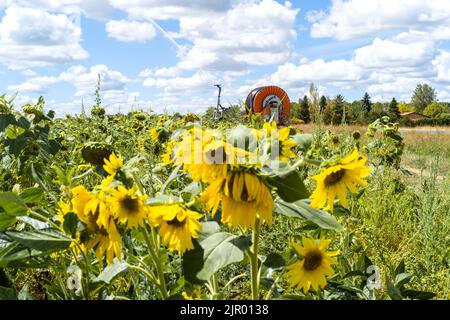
(426,147)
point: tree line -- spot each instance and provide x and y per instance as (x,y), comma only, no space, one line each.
(337,110)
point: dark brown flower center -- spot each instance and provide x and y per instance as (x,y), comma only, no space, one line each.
(244,194)
(313,260)
(216,156)
(132,205)
(176,223)
(334,177)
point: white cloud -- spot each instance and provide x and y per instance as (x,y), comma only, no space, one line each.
(130,31)
(391,54)
(35,85)
(443,95)
(164,72)
(442,64)
(315,15)
(97,9)
(336,71)
(250,34)
(29,73)
(85,80)
(401,88)
(359,18)
(35,38)
(82,79)
(198,81)
(170,9)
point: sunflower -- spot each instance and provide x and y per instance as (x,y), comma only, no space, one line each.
(154,134)
(205,156)
(281,143)
(334,180)
(80,198)
(107,241)
(168,156)
(244,197)
(97,210)
(90,208)
(217,158)
(62,210)
(178,226)
(114,164)
(314,266)
(128,207)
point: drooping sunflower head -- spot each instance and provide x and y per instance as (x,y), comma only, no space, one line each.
(244,196)
(268,127)
(154,134)
(336,178)
(280,145)
(106,242)
(168,156)
(114,164)
(62,210)
(314,264)
(128,207)
(177,226)
(80,198)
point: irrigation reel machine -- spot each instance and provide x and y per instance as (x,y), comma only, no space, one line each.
(271,102)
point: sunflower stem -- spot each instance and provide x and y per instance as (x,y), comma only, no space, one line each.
(154,252)
(254,261)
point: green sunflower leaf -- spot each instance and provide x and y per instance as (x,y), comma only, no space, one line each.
(12,204)
(212,254)
(112,271)
(302,209)
(289,185)
(42,240)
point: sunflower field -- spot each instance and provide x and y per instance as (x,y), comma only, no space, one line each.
(156,206)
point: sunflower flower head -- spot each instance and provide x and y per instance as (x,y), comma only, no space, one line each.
(154,134)
(314,265)
(280,143)
(107,242)
(114,164)
(177,226)
(128,207)
(244,198)
(336,178)
(62,210)
(169,155)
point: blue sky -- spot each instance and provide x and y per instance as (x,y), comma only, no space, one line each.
(166,55)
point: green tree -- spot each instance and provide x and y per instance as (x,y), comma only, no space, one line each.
(304,110)
(423,96)
(322,103)
(338,114)
(393,111)
(435,109)
(405,107)
(366,103)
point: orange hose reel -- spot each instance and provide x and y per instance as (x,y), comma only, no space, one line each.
(259,101)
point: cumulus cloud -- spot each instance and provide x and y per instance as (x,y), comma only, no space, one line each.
(359,18)
(35,38)
(249,34)
(336,71)
(387,53)
(35,85)
(130,31)
(84,81)
(98,9)
(198,81)
(442,64)
(401,87)
(170,9)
